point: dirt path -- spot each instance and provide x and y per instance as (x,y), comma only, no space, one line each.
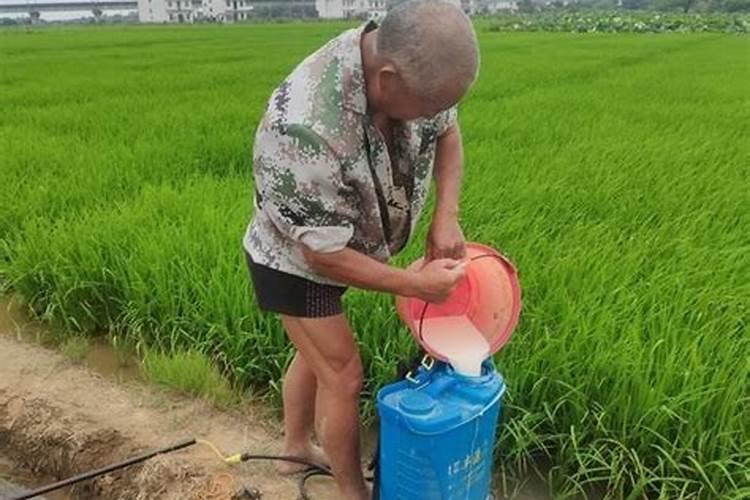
(59,419)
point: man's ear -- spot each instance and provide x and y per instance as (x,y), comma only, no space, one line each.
(388,80)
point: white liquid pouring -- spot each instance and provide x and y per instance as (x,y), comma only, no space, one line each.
(458,340)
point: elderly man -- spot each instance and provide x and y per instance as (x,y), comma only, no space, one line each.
(342,161)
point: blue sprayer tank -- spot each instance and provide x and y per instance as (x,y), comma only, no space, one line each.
(437,434)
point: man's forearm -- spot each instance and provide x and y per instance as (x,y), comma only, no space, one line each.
(448,172)
(357,269)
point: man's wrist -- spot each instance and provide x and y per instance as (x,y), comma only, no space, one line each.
(445,212)
(405,282)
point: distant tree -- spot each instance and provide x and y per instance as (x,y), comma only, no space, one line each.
(272,11)
(634,4)
(597,4)
(35,16)
(683,5)
(733,5)
(303,11)
(97,13)
(285,10)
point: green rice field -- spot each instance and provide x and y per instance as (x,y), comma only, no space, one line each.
(614,170)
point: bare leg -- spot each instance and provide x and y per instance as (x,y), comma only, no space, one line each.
(327,346)
(300,388)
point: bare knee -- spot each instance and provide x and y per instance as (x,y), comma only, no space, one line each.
(300,364)
(345,377)
(328,347)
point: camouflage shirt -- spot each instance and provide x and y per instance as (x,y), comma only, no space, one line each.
(323,175)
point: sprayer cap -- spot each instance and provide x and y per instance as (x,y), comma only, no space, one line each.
(416,402)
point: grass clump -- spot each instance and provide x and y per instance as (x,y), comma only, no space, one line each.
(75,348)
(191,373)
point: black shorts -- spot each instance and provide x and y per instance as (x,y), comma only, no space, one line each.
(284,293)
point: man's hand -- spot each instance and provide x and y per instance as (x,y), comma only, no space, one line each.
(437,279)
(445,239)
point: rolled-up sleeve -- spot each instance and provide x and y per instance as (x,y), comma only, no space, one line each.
(445,119)
(299,185)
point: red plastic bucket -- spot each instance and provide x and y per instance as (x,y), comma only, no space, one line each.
(489,296)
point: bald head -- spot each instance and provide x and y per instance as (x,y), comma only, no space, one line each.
(433,46)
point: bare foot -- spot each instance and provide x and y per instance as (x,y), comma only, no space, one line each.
(310,453)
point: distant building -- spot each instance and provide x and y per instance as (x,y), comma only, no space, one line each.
(341,9)
(490,6)
(373,9)
(150,11)
(190,11)
(236,10)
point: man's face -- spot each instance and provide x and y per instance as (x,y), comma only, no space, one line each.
(400,103)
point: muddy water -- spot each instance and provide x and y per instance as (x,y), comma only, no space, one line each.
(14,322)
(105,360)
(100,357)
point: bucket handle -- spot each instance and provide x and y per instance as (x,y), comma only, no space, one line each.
(428,362)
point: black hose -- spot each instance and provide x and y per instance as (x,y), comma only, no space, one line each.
(307,475)
(313,469)
(285,458)
(104,470)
